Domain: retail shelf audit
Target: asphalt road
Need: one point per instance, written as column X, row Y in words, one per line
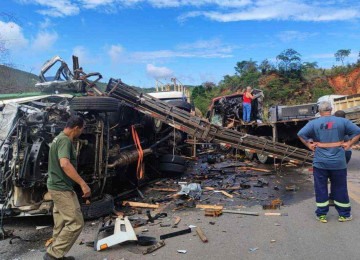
column 297, row 236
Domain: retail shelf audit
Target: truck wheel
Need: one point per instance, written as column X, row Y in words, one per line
column 169, row 158
column 99, row 104
column 98, row 208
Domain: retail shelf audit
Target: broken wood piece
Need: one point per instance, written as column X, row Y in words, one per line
column 209, row 188
column 275, row 214
column 241, row 212
column 152, row 248
column 203, row 206
column 201, row 234
column 176, row 222
column 227, row 194
column 213, row 212
column 253, row 169
column 140, row 205
column 164, row 189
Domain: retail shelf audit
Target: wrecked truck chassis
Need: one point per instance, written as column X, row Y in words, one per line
column 105, row 151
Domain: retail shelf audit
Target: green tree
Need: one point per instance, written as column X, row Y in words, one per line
column 340, row 55
column 246, row 66
column 265, row 67
column 289, row 62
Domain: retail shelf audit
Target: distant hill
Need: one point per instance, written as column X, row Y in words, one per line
column 16, row 81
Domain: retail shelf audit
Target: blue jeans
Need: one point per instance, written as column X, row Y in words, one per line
column 246, row 112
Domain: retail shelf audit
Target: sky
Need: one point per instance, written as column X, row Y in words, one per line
column 141, row 41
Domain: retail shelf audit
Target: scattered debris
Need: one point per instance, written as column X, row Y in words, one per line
column 292, row 188
column 182, row 251
column 201, row 234
column 253, row 249
column 200, row 206
column 155, row 247
column 276, row 214
column 164, row 189
column 225, row 193
column 192, row 190
column 41, row 227
column 241, row 212
column 275, row 204
column 157, row 216
column 272, row 241
column 177, row 233
column 122, row 231
column 176, row 221
column 140, row 204
column 213, row 212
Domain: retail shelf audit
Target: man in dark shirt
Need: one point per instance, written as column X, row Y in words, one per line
column 68, row 219
column 325, row 136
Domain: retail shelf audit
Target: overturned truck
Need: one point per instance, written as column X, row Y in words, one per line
column 112, row 151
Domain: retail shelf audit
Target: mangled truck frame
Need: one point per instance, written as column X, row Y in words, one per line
column 115, row 141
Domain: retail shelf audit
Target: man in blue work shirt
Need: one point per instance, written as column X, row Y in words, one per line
column 325, row 136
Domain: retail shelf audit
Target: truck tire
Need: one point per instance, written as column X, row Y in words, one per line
column 98, row 208
column 169, row 158
column 98, row 104
column 172, row 168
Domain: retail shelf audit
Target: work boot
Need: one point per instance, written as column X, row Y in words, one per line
column 322, row 218
column 47, row 256
column 344, row 219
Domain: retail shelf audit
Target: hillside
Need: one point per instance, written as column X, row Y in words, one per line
column 16, row 81
column 346, row 83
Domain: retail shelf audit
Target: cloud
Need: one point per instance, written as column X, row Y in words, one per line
column 115, row 53
column 44, row 41
column 294, row 10
column 198, row 49
column 216, row 10
column 55, row 8
column 12, row 36
column 158, row 72
column 46, row 24
column 289, row 36
column 83, row 54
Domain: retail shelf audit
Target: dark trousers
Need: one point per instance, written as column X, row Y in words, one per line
column 339, row 191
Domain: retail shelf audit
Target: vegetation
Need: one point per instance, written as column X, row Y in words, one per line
column 289, row 81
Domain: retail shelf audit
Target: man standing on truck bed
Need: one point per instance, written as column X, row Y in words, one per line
column 68, row 219
column 325, row 136
column 247, row 98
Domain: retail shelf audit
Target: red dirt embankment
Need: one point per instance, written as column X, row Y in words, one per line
column 347, row 84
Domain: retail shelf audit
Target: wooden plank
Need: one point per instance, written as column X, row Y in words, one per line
column 140, row 205
column 227, row 194
column 241, row 212
column 164, row 189
column 253, row 169
column 201, row 234
column 202, row 206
